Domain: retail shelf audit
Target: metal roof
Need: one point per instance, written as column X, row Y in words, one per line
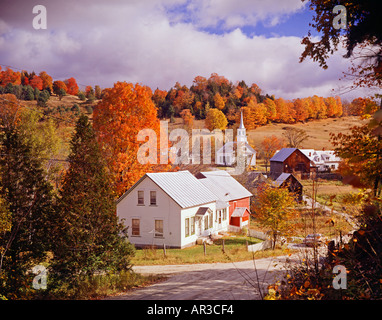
column 239, row 212
column 282, row 177
column 183, row 187
column 223, row 185
column 283, row 154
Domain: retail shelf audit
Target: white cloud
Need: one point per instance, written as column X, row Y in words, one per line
column 237, row 13
column 136, row 41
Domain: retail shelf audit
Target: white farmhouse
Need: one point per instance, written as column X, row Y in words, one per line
column 171, row 208
column 324, row 160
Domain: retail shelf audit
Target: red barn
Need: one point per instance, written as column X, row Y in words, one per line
column 228, row 189
column 290, row 160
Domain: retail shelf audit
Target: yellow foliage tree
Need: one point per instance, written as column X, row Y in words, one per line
column 216, row 119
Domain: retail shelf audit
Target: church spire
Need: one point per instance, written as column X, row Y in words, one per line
column 241, row 121
column 241, row 132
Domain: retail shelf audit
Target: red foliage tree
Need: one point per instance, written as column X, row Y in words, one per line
column 72, row 87
column 36, row 82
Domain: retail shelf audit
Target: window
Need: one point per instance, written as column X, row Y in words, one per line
column 220, row 216
column 225, row 214
column 211, row 218
column 159, row 228
column 187, row 226
column 141, row 198
column 135, row 223
column 192, row 225
column 153, row 198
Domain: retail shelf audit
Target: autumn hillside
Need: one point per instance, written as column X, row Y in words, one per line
column 213, row 103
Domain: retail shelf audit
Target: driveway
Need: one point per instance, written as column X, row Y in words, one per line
column 212, row 281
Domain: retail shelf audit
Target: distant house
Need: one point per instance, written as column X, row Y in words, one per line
column 290, row 181
column 290, row 160
column 227, row 155
column 176, row 208
column 324, row 160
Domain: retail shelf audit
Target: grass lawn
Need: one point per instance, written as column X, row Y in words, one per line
column 235, row 250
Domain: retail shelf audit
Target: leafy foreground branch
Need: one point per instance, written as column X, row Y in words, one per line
column 361, row 258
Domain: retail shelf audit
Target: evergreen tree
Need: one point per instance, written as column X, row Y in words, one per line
column 89, row 236
column 29, row 200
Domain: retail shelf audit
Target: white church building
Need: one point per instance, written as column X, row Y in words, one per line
column 227, row 155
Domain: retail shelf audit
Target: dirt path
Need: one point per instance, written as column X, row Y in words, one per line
column 212, row 281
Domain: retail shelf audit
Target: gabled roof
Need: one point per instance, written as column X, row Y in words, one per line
column 183, row 187
column 239, row 212
column 283, row 177
column 308, row 152
column 223, row 185
column 202, row 211
column 283, row 154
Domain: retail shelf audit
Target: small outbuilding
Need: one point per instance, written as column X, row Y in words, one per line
column 290, row 181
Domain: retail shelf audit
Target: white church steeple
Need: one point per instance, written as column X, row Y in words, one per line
column 241, row 132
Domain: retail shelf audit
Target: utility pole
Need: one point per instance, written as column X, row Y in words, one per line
column 315, row 244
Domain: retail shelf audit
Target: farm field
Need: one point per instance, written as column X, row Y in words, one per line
column 318, row 131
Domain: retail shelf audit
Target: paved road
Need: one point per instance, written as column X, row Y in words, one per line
column 213, row 281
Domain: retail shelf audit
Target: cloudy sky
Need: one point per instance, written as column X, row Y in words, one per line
column 160, row 42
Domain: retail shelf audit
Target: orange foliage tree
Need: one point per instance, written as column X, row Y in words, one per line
column 10, row 76
column 188, row 118
column 283, row 111
column 47, row 81
column 363, row 107
column 36, row 82
column 123, row 111
column 301, row 112
column 72, row 87
column 219, row 101
column 10, row 113
column 333, row 109
column 254, row 114
column 57, row 85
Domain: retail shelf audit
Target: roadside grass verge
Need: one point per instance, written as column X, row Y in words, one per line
column 99, row 286
column 234, row 247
